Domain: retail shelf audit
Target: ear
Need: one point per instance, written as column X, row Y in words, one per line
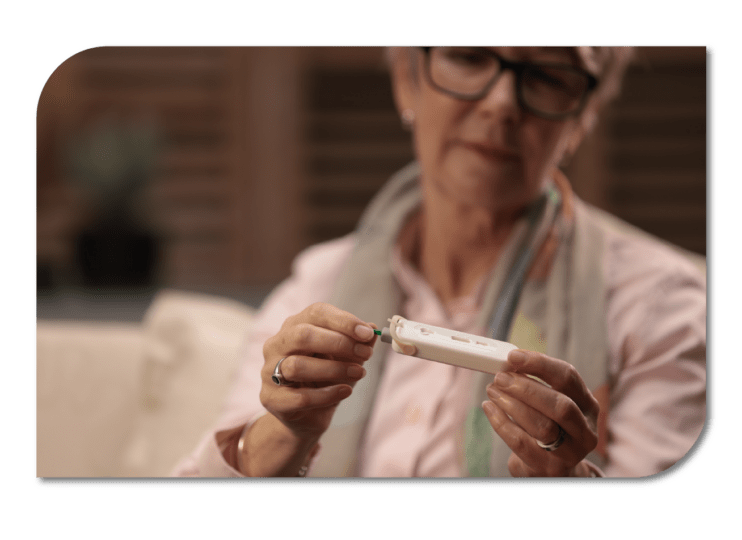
column 575, row 139
column 569, row 143
column 404, row 79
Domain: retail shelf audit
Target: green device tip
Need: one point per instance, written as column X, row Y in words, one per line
column 377, row 332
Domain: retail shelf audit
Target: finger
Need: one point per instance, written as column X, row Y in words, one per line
column 287, row 400
column 560, row 375
column 373, row 340
column 334, row 318
column 518, row 469
column 306, row 369
column 522, row 444
column 536, row 424
column 517, row 440
column 549, row 402
column 309, row 340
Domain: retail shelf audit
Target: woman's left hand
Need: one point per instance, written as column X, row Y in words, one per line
column 524, row 411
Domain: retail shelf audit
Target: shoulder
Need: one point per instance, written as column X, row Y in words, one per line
column 322, row 263
column 632, row 256
column 635, row 260
column 655, row 292
column 653, row 289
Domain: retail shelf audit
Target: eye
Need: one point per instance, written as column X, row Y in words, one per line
column 543, row 77
column 555, row 79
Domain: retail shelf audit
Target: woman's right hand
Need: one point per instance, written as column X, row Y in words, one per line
column 324, row 349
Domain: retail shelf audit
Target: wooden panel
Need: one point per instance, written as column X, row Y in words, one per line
column 656, row 146
column 353, row 140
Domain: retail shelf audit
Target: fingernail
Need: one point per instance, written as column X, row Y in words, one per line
column 364, row 332
column 344, row 392
column 517, row 357
column 356, row 372
column 488, row 407
column 364, row 351
column 503, row 379
column 494, row 394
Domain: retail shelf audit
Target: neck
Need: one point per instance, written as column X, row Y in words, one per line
column 457, row 245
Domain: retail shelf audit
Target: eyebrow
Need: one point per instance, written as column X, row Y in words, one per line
column 575, row 58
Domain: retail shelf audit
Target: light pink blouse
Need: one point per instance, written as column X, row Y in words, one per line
column 656, row 315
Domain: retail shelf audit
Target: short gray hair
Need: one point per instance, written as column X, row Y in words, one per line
column 610, row 65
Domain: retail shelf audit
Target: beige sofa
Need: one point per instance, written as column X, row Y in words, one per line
column 130, row 400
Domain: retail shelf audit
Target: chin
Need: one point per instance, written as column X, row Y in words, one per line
column 491, row 189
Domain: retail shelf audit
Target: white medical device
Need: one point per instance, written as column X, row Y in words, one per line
column 447, row 346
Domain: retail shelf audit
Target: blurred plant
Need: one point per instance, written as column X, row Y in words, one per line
column 112, row 162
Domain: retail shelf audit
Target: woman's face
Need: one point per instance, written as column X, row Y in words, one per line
column 487, row 153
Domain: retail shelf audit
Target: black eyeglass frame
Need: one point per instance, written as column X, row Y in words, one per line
column 518, row 68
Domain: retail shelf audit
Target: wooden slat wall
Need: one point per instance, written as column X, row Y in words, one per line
column 354, row 142
column 656, row 151
column 189, row 91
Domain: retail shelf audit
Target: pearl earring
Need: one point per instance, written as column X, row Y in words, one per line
column 408, row 118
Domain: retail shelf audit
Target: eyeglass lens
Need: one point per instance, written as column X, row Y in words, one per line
column 469, row 71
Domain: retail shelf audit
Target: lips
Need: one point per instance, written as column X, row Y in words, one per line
column 491, row 152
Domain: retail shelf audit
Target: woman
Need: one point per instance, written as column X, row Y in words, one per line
column 482, row 235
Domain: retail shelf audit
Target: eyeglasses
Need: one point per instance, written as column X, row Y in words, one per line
column 549, row 90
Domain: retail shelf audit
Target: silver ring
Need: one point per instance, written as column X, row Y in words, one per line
column 556, row 444
column 277, row 376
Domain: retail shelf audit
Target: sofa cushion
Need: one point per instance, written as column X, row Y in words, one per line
column 88, row 380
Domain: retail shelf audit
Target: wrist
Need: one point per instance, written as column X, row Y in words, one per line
column 290, row 441
column 267, row 448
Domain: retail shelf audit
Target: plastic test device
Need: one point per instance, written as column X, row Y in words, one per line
column 446, row 346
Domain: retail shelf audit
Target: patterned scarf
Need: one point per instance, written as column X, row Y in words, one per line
column 546, row 284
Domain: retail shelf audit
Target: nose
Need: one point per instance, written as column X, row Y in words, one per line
column 502, row 98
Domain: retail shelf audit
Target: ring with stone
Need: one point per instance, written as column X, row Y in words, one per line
column 278, row 377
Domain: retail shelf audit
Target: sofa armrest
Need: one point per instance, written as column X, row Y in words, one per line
column 191, row 349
